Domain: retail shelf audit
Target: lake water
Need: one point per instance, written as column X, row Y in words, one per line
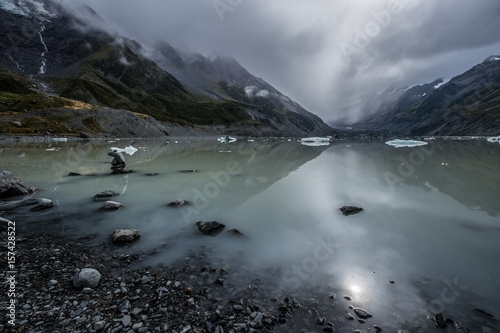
column 430, row 222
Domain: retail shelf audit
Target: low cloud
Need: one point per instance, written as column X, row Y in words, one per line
column 323, row 54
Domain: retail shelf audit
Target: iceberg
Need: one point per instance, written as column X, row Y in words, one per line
column 494, row 139
column 316, row 141
column 226, row 139
column 398, row 143
column 127, row 150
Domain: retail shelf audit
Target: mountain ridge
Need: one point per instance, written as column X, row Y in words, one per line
column 467, row 104
column 109, row 71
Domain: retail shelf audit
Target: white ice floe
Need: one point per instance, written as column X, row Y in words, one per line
column 494, row 139
column 316, row 141
column 226, row 139
column 398, row 143
column 127, row 150
column 61, row 139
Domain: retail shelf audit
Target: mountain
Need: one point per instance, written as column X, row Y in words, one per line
column 468, row 104
column 51, row 55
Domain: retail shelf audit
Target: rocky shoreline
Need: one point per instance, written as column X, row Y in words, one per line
column 191, row 295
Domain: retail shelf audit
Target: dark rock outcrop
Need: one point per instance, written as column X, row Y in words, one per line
column 121, row 236
column 11, row 186
column 350, row 210
column 105, row 195
column 211, row 228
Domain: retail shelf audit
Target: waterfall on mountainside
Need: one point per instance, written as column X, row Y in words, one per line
column 42, row 67
column 14, row 61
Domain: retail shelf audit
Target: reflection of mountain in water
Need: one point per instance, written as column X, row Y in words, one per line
column 465, row 170
column 226, row 175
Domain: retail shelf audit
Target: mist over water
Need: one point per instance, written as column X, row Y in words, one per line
column 430, row 221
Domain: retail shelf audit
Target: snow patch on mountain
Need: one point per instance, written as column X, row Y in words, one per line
column 441, row 83
column 26, row 8
column 253, row 91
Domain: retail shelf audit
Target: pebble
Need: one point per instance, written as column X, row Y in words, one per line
column 180, row 297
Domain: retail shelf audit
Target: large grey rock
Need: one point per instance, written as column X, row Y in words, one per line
column 35, row 203
column 350, row 210
column 210, row 228
column 111, row 205
column 105, row 195
column 86, row 278
column 12, row 186
column 42, row 203
column 125, row 235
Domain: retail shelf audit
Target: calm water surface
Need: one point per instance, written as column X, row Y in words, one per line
column 430, row 221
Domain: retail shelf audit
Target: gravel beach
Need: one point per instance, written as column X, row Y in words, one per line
column 198, row 293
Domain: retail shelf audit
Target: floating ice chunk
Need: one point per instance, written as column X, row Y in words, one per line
column 61, row 139
column 316, row 141
column 398, row 143
column 494, row 139
column 226, row 139
column 127, row 150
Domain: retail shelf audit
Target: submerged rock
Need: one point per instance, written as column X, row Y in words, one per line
column 121, row 171
column 350, row 210
column 125, row 235
column 36, row 203
column 105, row 195
column 42, row 203
column 236, row 232
column 178, row 203
column 188, row 171
column 211, row 228
column 11, row 186
column 86, row 278
column 486, row 313
column 362, row 313
column 111, row 205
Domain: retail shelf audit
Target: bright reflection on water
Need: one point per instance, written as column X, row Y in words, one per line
column 430, row 222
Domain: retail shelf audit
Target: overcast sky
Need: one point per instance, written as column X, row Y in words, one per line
column 321, row 53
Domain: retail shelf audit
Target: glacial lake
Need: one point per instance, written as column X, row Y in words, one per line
column 427, row 240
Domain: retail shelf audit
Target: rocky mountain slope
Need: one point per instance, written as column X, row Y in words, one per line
column 468, row 104
column 53, row 54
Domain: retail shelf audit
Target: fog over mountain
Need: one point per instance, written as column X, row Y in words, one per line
column 324, row 54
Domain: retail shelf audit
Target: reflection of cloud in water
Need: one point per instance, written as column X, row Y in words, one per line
column 285, row 197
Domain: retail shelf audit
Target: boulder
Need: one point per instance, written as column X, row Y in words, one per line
column 12, row 186
column 105, row 195
column 350, row 210
column 440, row 321
column 362, row 313
column 111, row 205
column 36, row 203
column 211, row 228
column 42, row 203
column 120, row 236
column 86, row 278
